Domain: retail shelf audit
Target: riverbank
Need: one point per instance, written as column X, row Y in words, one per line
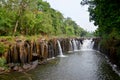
column 22, row 54
column 110, row 47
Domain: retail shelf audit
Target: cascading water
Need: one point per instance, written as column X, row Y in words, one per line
column 87, row 44
column 71, row 48
column 74, row 44
column 60, row 49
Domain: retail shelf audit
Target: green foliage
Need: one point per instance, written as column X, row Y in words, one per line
column 106, row 15
column 6, row 21
column 2, row 48
column 2, row 61
column 34, row 17
column 114, row 34
column 96, row 33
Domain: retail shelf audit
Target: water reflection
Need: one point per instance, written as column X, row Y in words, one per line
column 81, row 65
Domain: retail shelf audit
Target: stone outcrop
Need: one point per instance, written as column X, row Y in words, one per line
column 110, row 47
column 24, row 52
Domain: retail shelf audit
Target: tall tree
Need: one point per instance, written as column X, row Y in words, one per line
column 105, row 14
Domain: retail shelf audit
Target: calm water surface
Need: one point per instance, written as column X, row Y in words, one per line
column 79, row 65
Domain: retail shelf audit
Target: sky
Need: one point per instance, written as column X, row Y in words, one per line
column 73, row 9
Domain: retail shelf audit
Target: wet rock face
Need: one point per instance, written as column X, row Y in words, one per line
column 110, row 47
column 22, row 55
column 65, row 45
column 51, row 48
column 96, row 43
column 27, row 51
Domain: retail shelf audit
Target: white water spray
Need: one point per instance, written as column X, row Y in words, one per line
column 74, row 44
column 71, row 48
column 87, row 44
column 60, row 49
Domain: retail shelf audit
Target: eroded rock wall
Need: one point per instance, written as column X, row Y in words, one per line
column 27, row 51
column 110, row 47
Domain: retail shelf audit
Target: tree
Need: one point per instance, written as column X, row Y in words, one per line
column 105, row 14
column 33, row 17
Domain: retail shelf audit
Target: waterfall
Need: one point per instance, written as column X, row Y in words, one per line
column 87, row 44
column 74, row 44
column 60, row 49
column 71, row 48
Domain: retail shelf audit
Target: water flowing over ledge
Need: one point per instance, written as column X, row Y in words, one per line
column 21, row 55
column 82, row 64
column 60, row 50
column 26, row 55
column 87, row 45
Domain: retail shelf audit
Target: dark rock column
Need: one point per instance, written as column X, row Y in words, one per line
column 50, row 49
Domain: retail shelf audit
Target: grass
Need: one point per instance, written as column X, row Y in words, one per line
column 35, row 37
column 3, row 48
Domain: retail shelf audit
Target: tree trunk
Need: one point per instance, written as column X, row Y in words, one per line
column 15, row 29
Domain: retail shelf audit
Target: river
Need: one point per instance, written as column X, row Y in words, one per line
column 85, row 64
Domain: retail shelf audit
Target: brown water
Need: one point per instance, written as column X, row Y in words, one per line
column 79, row 65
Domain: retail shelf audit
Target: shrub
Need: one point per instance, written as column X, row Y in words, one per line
column 2, row 48
column 2, row 62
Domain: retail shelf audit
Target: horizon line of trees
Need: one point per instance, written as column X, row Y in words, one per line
column 34, row 17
